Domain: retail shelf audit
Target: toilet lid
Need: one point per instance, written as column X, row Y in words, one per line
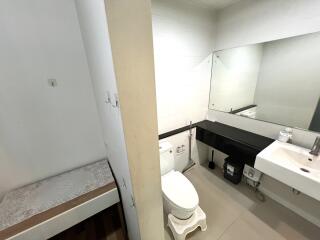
column 179, row 190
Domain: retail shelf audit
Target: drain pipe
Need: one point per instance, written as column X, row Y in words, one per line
column 191, row 163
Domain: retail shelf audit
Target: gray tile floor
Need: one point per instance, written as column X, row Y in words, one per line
column 234, row 212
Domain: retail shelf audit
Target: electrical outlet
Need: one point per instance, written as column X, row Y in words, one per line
column 180, row 149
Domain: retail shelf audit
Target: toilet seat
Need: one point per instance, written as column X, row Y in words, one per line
column 179, row 191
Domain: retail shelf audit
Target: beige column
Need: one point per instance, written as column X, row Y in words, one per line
column 130, row 29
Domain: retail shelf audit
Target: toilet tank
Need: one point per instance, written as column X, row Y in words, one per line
column 166, row 157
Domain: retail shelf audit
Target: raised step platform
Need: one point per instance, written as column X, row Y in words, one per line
column 180, row 228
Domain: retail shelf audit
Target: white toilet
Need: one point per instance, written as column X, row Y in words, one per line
column 180, row 197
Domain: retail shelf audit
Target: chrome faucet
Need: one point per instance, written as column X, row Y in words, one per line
column 316, row 147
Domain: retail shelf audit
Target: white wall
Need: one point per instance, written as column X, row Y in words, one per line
column 199, row 153
column 288, row 87
column 93, row 22
column 259, row 21
column 251, row 21
column 44, row 130
column 235, row 74
column 183, row 42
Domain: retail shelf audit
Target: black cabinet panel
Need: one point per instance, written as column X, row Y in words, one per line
column 234, row 142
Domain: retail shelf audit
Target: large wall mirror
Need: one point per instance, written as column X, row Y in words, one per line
column 277, row 81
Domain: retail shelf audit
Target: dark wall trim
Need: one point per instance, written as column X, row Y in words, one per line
column 176, row 131
column 243, row 108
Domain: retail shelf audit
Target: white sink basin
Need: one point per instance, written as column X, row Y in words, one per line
column 291, row 165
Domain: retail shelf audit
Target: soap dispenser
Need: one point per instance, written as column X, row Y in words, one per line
column 285, row 135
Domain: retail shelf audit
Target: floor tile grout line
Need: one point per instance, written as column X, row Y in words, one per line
column 244, row 207
column 229, row 226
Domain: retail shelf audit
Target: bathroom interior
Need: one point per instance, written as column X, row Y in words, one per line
column 160, row 119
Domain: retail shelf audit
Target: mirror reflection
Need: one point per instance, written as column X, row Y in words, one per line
column 277, row 81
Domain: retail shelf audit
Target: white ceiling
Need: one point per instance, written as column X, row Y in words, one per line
column 213, row 4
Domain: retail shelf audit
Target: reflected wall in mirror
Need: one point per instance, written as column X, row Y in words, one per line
column 277, row 81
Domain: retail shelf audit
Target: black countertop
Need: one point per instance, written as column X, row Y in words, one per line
column 233, row 141
column 238, row 135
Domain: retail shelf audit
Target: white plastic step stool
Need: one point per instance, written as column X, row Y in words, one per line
column 180, row 228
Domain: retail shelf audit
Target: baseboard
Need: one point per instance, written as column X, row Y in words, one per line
column 291, row 206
